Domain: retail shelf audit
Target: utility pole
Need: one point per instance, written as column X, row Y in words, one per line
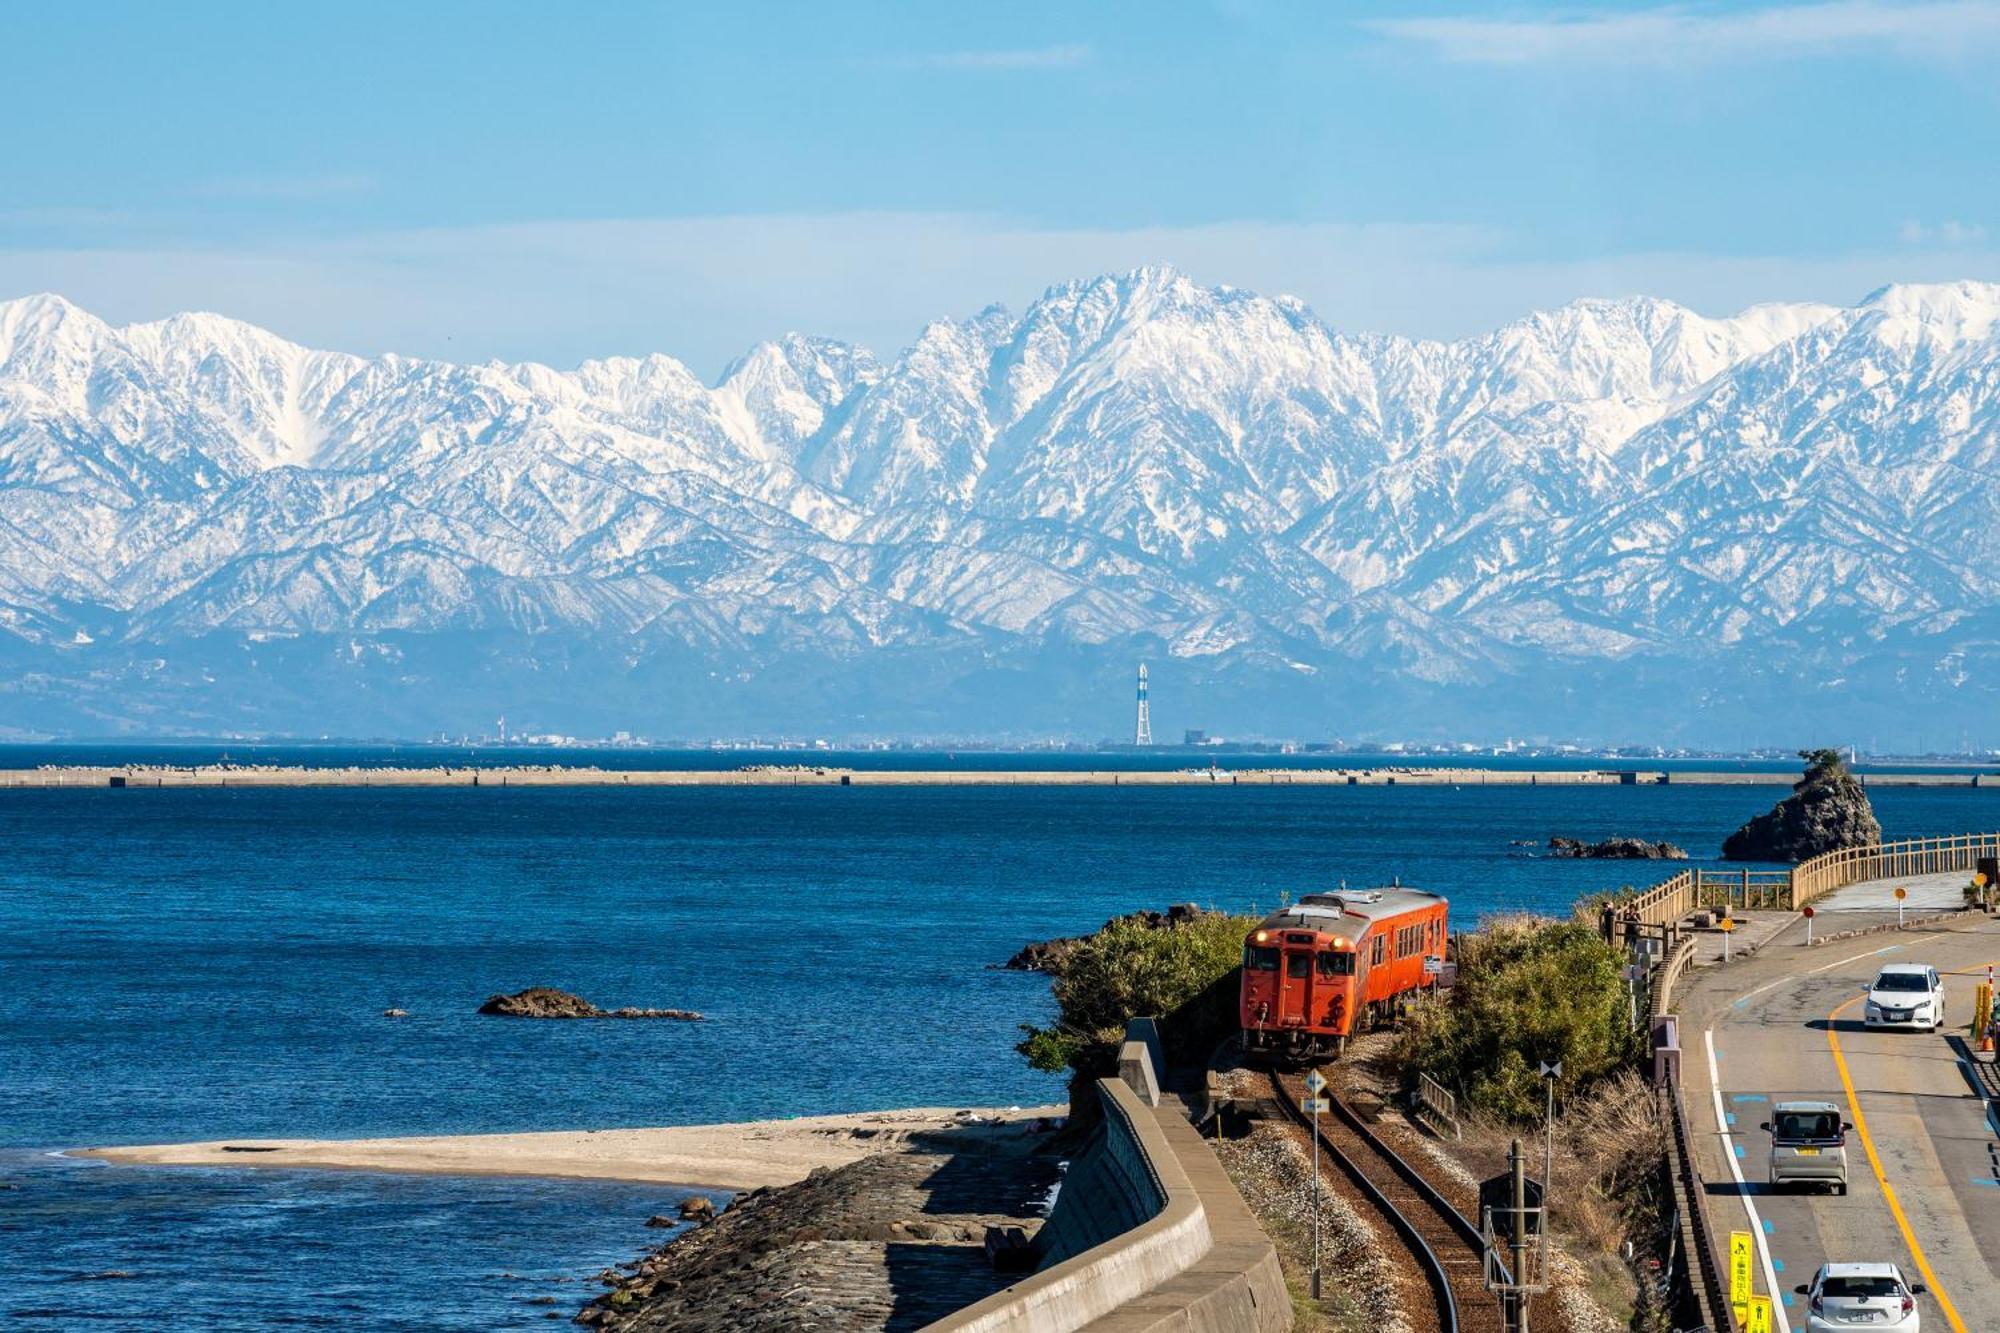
column 1518, row 1168
column 1315, row 1103
column 1512, row 1209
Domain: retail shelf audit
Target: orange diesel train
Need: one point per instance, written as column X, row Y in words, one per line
column 1335, row 963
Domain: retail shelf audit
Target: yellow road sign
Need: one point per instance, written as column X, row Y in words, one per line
column 1740, row 1259
column 1760, row 1315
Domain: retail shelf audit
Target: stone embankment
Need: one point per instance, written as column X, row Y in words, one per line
column 894, row 1240
column 1147, row 1235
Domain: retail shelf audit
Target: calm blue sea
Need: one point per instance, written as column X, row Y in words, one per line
column 205, row 964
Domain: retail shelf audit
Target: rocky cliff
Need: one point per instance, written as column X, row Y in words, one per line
column 1827, row 809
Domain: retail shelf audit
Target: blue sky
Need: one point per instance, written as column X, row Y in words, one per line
column 560, row 181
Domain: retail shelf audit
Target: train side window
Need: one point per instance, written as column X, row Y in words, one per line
column 1379, row 949
column 1336, row 964
column 1257, row 959
column 1298, row 965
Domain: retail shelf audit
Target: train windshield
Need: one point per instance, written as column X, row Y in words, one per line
column 1256, row 958
column 1336, row 964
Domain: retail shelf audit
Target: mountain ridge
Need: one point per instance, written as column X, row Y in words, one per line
column 1136, row 465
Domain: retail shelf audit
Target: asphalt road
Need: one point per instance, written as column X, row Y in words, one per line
column 1924, row 1162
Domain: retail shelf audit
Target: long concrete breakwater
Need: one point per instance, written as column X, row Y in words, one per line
column 803, row 775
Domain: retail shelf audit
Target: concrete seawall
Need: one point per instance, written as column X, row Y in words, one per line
column 1148, row 1235
column 805, row 776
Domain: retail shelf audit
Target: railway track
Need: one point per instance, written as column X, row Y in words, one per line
column 1444, row 1247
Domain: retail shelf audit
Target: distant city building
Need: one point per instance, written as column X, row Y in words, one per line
column 1143, row 733
column 1194, row 736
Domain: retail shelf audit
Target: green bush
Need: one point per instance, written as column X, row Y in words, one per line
column 1129, row 970
column 1529, row 990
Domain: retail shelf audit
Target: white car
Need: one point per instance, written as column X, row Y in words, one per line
column 1846, row 1297
column 1905, row 995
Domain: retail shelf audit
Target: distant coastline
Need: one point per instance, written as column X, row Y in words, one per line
column 143, row 776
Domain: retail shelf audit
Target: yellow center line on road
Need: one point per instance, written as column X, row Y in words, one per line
column 1875, row 1161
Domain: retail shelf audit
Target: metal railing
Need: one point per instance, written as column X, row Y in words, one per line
column 1706, row 1277
column 1660, row 997
column 1750, row 890
column 1822, row 874
column 1436, row 1107
column 1669, row 901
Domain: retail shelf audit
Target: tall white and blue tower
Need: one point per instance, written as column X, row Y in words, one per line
column 1143, row 733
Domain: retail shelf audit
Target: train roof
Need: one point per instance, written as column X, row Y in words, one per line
column 1319, row 911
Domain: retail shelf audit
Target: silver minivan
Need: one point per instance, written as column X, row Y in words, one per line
column 1808, row 1145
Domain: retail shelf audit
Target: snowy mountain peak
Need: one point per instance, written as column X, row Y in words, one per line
column 1939, row 314
column 1135, row 464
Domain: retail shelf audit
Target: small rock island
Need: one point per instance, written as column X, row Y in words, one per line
column 548, row 1002
column 1616, row 849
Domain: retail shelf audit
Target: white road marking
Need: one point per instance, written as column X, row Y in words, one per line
column 1742, row 1188
column 1855, row 959
column 1748, row 996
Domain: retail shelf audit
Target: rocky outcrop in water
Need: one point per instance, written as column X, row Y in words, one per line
column 548, row 1002
column 1050, row 955
column 894, row 1240
column 1828, row 809
column 1616, row 849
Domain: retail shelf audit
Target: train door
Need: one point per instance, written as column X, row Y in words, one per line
column 1296, row 981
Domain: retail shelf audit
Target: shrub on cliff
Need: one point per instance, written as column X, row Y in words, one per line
column 1130, row 969
column 1529, row 990
column 1828, row 809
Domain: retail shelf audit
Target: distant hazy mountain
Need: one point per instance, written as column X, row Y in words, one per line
column 1618, row 520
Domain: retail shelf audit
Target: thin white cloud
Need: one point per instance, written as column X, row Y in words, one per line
column 1950, row 232
column 1032, row 58
column 1927, row 30
column 705, row 289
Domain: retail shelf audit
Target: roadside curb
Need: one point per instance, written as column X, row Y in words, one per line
column 1986, row 1071
column 1953, row 915
column 1745, row 952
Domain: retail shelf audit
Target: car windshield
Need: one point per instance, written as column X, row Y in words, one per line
column 1858, row 1287
column 1914, row 981
column 1805, row 1125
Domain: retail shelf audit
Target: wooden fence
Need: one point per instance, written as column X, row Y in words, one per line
column 1667, row 903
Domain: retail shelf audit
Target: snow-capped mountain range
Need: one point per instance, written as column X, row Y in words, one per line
column 1617, row 519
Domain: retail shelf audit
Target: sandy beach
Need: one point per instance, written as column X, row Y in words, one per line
column 732, row 1157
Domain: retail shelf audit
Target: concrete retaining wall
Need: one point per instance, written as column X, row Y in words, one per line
column 1148, row 1235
